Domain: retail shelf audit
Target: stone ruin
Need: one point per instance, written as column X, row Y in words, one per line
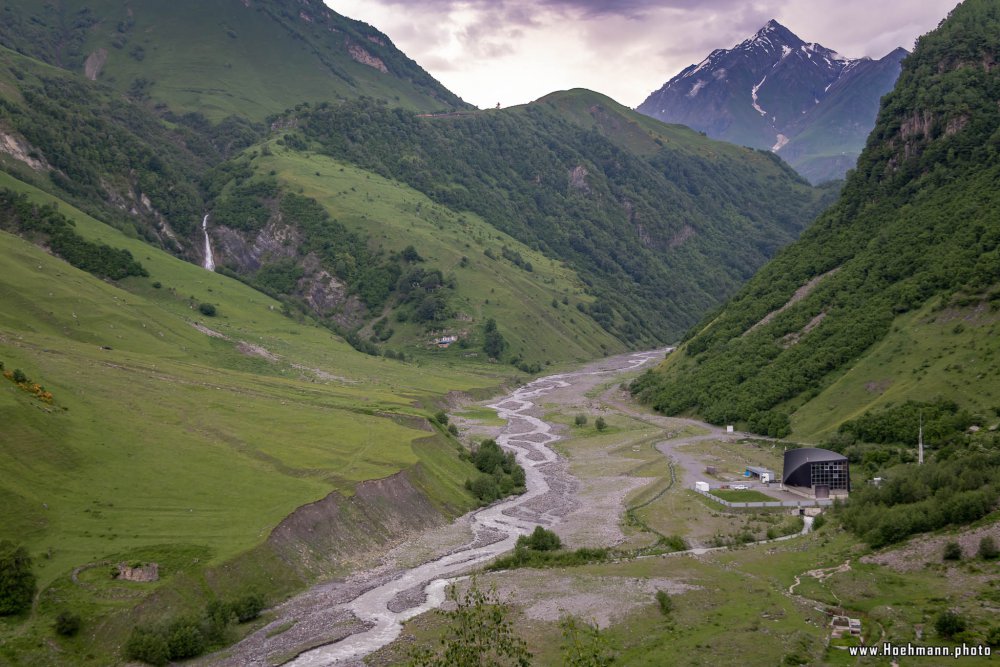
column 141, row 572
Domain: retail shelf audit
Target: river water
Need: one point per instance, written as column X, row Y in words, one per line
column 528, row 437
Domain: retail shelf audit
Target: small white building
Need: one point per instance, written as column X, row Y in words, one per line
column 702, row 486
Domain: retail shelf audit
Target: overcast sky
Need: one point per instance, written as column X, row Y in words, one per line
column 515, row 51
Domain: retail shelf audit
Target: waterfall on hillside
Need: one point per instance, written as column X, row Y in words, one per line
column 209, row 258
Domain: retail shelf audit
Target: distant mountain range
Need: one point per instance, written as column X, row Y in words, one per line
column 774, row 91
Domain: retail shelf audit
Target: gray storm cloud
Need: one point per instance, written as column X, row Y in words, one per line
column 515, row 51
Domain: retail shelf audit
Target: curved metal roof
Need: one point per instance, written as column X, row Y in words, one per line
column 796, row 458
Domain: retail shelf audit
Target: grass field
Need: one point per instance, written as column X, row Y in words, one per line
column 485, row 416
column 172, row 443
column 742, row 495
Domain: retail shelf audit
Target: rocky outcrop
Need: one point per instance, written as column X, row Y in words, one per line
column 686, row 232
column 19, row 149
column 359, row 54
column 95, row 63
column 578, row 179
column 328, row 295
column 246, row 252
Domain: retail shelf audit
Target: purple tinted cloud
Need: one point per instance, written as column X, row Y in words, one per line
column 517, row 50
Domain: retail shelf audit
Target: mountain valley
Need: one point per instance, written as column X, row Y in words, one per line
column 297, row 347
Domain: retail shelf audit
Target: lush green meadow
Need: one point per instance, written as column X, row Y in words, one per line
column 185, row 439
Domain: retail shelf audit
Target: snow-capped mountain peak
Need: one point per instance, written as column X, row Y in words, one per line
column 768, row 85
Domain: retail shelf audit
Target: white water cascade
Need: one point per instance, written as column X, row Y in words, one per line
column 209, row 257
column 524, row 434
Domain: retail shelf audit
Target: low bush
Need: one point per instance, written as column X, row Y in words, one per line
column 187, row 637
column 539, row 540
column 664, row 602
column 948, row 623
column 988, row 548
column 531, row 558
column 67, row 624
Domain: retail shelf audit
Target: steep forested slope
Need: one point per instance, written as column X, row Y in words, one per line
column 913, row 244
column 105, row 153
column 660, row 222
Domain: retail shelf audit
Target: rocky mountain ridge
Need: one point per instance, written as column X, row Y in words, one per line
column 775, row 91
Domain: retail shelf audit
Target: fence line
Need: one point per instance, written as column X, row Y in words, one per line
column 818, row 502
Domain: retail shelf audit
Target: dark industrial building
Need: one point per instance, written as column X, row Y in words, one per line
column 816, row 473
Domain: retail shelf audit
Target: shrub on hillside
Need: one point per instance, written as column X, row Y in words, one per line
column 493, row 341
column 949, row 623
column 206, row 309
column 147, row 645
column 924, row 498
column 952, row 551
column 67, row 623
column 248, row 607
column 17, row 582
column 988, row 548
column 664, row 602
column 185, row 639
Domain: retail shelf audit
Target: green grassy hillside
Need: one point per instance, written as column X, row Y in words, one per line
column 222, row 58
column 536, row 311
column 937, row 351
column 172, row 436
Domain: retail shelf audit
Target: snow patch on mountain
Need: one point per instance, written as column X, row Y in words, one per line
column 753, row 96
column 696, row 87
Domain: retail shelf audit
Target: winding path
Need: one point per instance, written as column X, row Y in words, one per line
column 524, row 434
